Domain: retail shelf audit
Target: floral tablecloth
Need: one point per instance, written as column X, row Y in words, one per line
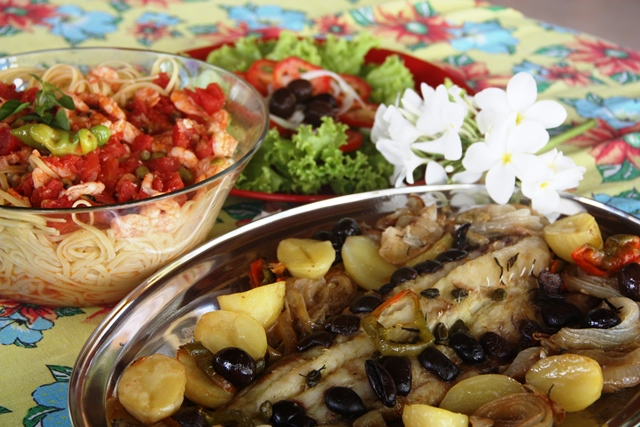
column 482, row 43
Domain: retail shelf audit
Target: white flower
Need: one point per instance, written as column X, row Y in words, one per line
column 558, row 173
column 507, row 152
column 393, row 136
column 517, row 105
column 441, row 119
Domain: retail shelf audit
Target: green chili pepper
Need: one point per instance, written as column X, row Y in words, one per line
column 60, row 142
column 380, row 334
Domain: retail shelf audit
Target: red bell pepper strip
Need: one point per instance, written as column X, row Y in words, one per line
column 618, row 251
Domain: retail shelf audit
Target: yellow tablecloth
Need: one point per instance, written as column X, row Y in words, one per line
column 481, row 43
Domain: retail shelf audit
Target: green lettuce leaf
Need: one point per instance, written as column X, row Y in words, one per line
column 312, row 161
column 343, row 55
column 289, row 44
column 388, row 80
column 239, row 57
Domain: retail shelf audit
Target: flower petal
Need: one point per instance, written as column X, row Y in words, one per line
column 500, row 182
column 466, row 177
column 522, row 91
column 547, row 112
column 435, row 174
column 528, row 137
column 479, row 158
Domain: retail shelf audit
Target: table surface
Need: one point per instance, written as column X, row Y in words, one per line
column 482, row 43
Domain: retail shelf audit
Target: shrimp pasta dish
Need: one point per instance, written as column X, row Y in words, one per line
column 107, row 172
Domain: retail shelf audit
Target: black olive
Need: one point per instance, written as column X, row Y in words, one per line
column 601, row 318
column 496, row 346
column 452, row 254
column 315, row 111
column 344, row 401
column 346, row 227
column 282, row 103
column 386, row 288
column 191, row 416
column 285, row 412
column 527, row 328
column 559, row 314
column 381, row 382
column 325, row 97
column 460, row 237
column 344, row 324
column 467, row 348
column 435, row 361
column 323, row 338
column 428, row 267
column 402, row 275
column 400, row 369
column 336, row 242
column 365, row 303
column 302, row 421
column 629, row 281
column 301, row 88
column 235, row 365
column 550, row 284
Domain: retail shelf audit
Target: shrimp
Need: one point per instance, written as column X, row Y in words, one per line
column 15, row 158
column 127, row 129
column 163, row 215
column 184, row 156
column 44, row 170
column 105, row 74
column 186, row 104
column 148, row 96
column 75, row 192
column 209, row 166
column 218, row 122
column 224, row 144
column 105, row 103
column 146, row 185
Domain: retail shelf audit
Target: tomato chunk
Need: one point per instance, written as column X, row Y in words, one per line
column 359, row 117
column 260, row 75
column 354, row 141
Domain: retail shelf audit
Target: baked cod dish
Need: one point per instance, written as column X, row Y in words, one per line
column 428, row 315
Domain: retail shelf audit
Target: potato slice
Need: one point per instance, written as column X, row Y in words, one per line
column 571, row 380
column 471, row 393
column 364, row 264
column 152, row 387
column 569, row 233
column 306, row 258
column 264, row 303
column 221, row 328
column 199, row 388
column 420, row 415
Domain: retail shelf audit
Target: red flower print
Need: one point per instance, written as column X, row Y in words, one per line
column 615, row 153
column 476, row 75
column 607, row 57
column 22, row 14
column 569, row 75
column 29, row 311
column 228, row 35
column 333, row 24
column 602, row 133
column 411, row 27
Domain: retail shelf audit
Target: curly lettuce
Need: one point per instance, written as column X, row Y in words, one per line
column 388, row 80
column 311, row 161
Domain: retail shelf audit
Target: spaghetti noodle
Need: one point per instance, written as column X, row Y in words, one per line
column 93, row 236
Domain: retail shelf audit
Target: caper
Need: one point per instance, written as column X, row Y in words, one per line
column 185, row 174
column 430, row 293
column 142, row 171
column 500, row 294
column 145, row 155
column 459, row 294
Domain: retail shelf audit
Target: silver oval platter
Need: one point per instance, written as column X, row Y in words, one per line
column 160, row 314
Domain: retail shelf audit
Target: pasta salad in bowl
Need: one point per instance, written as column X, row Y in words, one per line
column 112, row 163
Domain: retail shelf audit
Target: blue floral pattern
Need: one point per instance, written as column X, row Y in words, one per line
column 76, row 25
column 17, row 330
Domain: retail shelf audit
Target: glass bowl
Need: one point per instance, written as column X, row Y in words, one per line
column 95, row 255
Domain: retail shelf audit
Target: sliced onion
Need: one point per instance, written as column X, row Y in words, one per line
column 524, row 361
column 293, row 122
column 518, row 410
column 350, row 95
column 628, row 331
column 576, row 280
column 620, row 369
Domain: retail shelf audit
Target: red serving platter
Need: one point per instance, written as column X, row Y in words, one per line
column 423, row 72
